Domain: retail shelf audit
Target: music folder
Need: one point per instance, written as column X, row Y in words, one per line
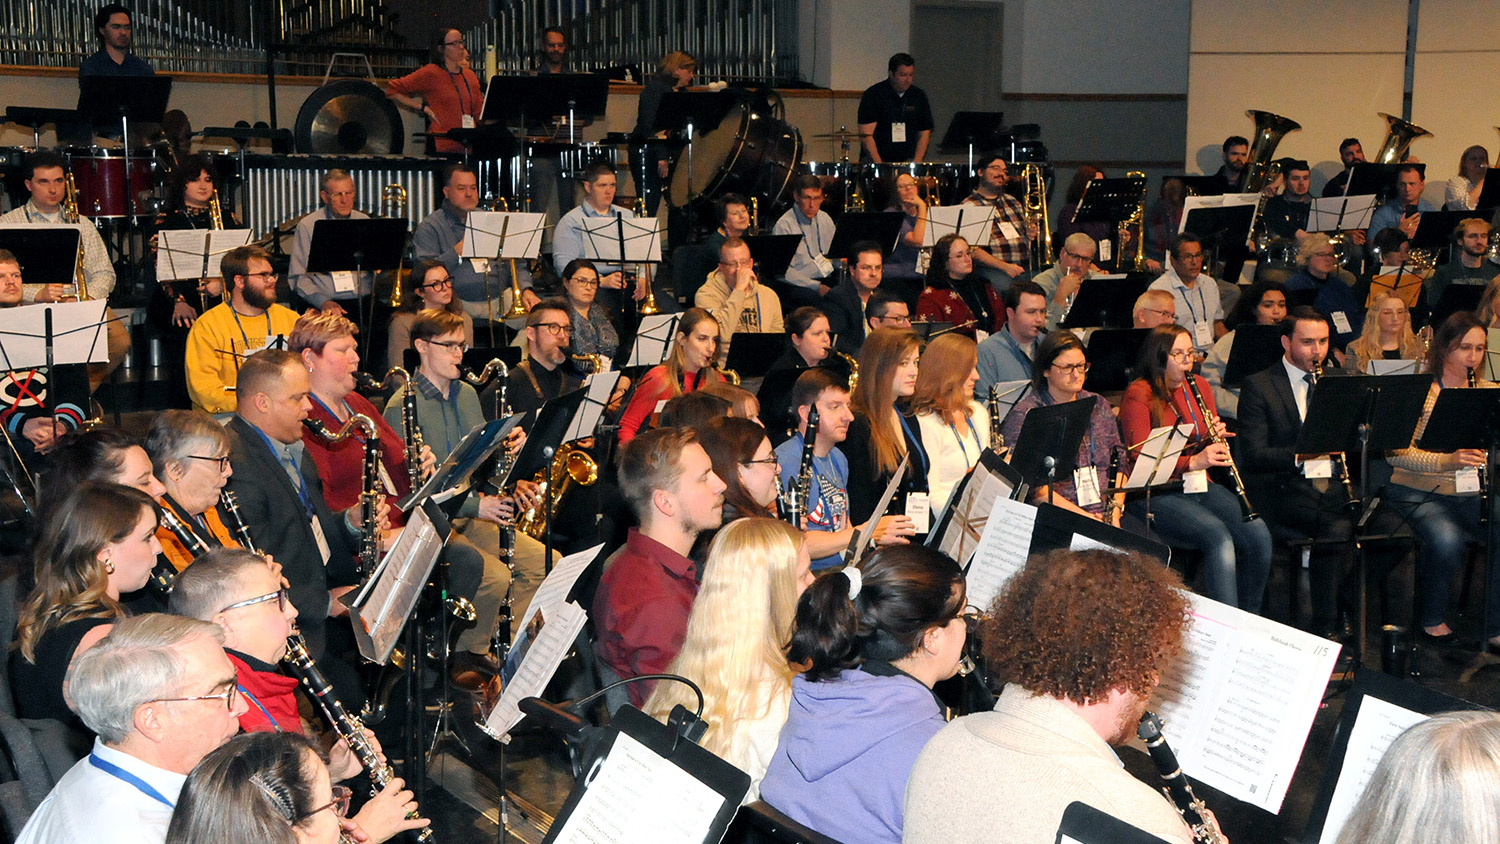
column 772, row 253
column 381, row 607
column 375, row 243
column 453, row 475
column 974, row 130
column 48, row 254
column 1049, row 441
column 1107, row 300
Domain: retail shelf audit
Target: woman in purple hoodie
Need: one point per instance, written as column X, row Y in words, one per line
column 877, row 638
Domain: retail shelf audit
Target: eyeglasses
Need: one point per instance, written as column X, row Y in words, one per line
column 339, row 804
column 230, row 692
column 267, row 276
column 1070, row 368
column 451, row 345
column 773, row 460
column 584, row 281
column 1181, row 357
column 458, row 43
column 280, row 596
column 556, row 329
column 1172, row 315
column 1075, row 256
column 904, row 320
column 222, row 461
column 437, row 285
column 1191, row 256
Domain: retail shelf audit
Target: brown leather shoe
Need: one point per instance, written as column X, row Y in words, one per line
column 470, row 671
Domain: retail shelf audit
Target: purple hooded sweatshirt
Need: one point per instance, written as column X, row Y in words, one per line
column 846, row 751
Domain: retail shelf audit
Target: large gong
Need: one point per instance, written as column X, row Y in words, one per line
column 349, row 117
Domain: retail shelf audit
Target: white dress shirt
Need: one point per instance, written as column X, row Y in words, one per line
column 90, row 805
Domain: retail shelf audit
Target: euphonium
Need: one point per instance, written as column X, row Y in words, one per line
column 1216, row 437
column 1269, row 130
column 70, row 215
column 1035, row 202
column 571, row 465
column 215, row 212
column 369, row 496
column 1398, row 137
column 393, row 204
column 853, row 369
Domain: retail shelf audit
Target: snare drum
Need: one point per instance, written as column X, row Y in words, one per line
column 100, row 176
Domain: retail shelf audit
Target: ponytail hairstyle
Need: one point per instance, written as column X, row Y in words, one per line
column 904, row 591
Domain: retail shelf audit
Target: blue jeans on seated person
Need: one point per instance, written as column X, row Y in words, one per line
column 1444, row 526
column 1236, row 553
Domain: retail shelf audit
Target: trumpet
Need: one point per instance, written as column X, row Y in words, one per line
column 1217, row 438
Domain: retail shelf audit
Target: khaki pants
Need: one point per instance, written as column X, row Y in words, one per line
column 117, row 343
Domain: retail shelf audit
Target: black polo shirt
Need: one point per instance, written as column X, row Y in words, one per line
column 882, row 106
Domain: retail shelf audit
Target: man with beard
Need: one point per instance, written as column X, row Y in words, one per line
column 1083, row 638
column 1236, row 154
column 547, row 371
column 1472, row 236
column 246, row 322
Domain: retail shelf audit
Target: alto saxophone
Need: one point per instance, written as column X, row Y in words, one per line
column 301, row 664
column 369, row 496
column 853, row 369
column 571, row 465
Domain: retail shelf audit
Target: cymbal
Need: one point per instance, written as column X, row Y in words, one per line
column 844, row 136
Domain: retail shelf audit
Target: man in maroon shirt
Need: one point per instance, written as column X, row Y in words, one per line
column 641, row 609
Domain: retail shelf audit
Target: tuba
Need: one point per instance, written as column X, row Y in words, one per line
column 1269, row 130
column 393, row 204
column 1040, row 250
column 1398, row 137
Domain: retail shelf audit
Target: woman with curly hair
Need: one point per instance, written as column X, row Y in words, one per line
column 735, row 649
column 876, row 638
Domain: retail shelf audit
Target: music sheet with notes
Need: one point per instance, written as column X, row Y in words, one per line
column 1002, row 550
column 1377, row 725
column 1239, row 701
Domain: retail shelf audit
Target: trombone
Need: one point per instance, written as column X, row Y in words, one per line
column 1039, row 251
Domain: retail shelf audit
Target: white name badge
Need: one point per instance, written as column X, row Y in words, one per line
column 321, row 539
column 1195, row 481
column 1203, row 334
column 1009, row 231
column 1341, row 323
column 825, row 266
column 919, row 511
column 1317, row 467
column 1105, row 250
column 343, row 281
column 898, row 133
column 272, row 341
column 1086, row 485
column 659, row 405
column 480, row 265
column 468, row 121
column 1466, row 480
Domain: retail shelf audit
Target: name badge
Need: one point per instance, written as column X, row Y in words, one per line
column 1105, row 250
column 1086, row 485
column 898, row 133
column 825, row 266
column 321, row 539
column 480, row 265
column 272, row 341
column 1317, row 467
column 1203, row 334
column 1194, row 482
column 1466, row 480
column 343, row 281
column 1341, row 322
column 919, row 510
column 468, row 121
column 1009, row 231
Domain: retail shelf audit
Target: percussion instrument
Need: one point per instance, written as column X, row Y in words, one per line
column 758, row 159
column 101, row 177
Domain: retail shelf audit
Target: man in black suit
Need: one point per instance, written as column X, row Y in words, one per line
column 845, row 303
column 1301, row 492
column 280, row 495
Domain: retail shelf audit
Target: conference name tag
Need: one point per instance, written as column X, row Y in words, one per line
column 1317, row 467
column 1466, row 480
column 1086, row 484
column 898, row 133
column 343, row 281
column 1203, row 334
column 919, row 510
column 1195, row 481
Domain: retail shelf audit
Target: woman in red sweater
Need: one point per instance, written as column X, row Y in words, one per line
column 445, row 91
column 1236, row 553
column 688, row 367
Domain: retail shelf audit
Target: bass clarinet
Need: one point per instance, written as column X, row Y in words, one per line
column 1484, row 482
column 411, row 433
column 369, row 496
column 797, row 499
column 300, row 663
column 1218, row 439
column 1175, row 784
column 1109, row 481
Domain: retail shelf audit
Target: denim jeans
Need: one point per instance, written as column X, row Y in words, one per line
column 1444, row 526
column 1236, row 553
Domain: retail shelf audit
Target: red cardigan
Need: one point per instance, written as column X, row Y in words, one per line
column 1135, row 416
column 651, row 392
column 340, row 467
column 266, row 693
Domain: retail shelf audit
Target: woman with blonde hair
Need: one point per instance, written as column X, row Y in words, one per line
column 1387, row 334
column 884, row 430
column 1461, row 193
column 688, row 367
column 954, row 426
column 1436, row 784
column 735, row 647
column 1320, row 271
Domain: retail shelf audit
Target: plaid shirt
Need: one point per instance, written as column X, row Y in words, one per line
column 1008, row 209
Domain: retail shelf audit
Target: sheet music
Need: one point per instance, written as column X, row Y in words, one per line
column 653, row 339
column 546, row 652
column 601, row 241
column 972, row 513
column 1380, row 366
column 554, row 590
column 636, row 796
column 1002, row 550
column 945, row 219
column 1158, row 456
column 1375, row 727
column 1228, row 200
column 179, row 253
column 1239, row 701
column 482, row 230
column 600, row 385
column 389, row 595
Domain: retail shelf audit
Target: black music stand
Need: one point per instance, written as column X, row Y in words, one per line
column 1225, row 227
column 1255, row 348
column 1047, row 447
column 360, row 246
column 36, row 117
column 553, row 419
column 1107, row 301
column 688, row 114
column 1435, row 230
column 45, row 253
column 1111, row 201
column 542, row 97
column 1342, row 416
column 1199, row 185
column 883, row 227
column 974, row 129
column 1489, row 197
column 1055, row 528
column 1470, row 418
column 1112, row 356
column 751, row 353
column 773, row 253
column 1370, row 177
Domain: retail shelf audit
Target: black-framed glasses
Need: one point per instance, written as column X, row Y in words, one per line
column 585, row 281
column 904, row 319
column 231, row 691
column 1070, row 368
column 458, row 43
column 222, row 461
column 280, row 596
column 268, row 276
column 437, row 285
column 773, row 460
column 1075, row 256
column 451, row 345
column 556, row 329
column 1180, row 356
column 339, row 804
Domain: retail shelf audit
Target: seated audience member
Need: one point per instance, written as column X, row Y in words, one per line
column 757, row 569
column 737, row 299
column 955, row 427
column 247, row 320
column 1435, row 784
column 428, row 288
column 642, row 605
column 1264, row 303
column 1057, row 377
column 876, row 638
column 99, row 544
column 159, row 694
column 1082, row 638
column 689, row 366
column 955, row 293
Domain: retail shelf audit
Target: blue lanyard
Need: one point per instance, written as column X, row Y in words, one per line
column 1187, row 399
column 462, row 107
column 301, row 482
column 1015, row 348
column 258, row 705
column 915, row 443
column 1202, row 303
column 797, row 215
column 961, row 446
column 236, row 315
column 127, row 777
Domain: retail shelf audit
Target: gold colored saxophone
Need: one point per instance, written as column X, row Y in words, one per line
column 70, row 215
column 853, row 369
column 571, row 465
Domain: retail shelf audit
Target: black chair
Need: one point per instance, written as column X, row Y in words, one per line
column 762, row 823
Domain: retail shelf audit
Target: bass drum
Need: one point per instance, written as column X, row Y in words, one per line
column 835, row 183
column 759, row 159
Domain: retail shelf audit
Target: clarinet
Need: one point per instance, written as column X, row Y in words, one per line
column 1340, row 465
column 795, row 502
column 369, row 496
column 300, row 663
column 992, row 404
column 162, row 574
column 1217, row 438
column 231, row 507
column 1175, row 784
column 1484, row 481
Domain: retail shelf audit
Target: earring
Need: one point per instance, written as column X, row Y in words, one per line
column 109, row 568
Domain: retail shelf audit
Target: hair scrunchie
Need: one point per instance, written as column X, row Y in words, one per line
column 856, row 580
